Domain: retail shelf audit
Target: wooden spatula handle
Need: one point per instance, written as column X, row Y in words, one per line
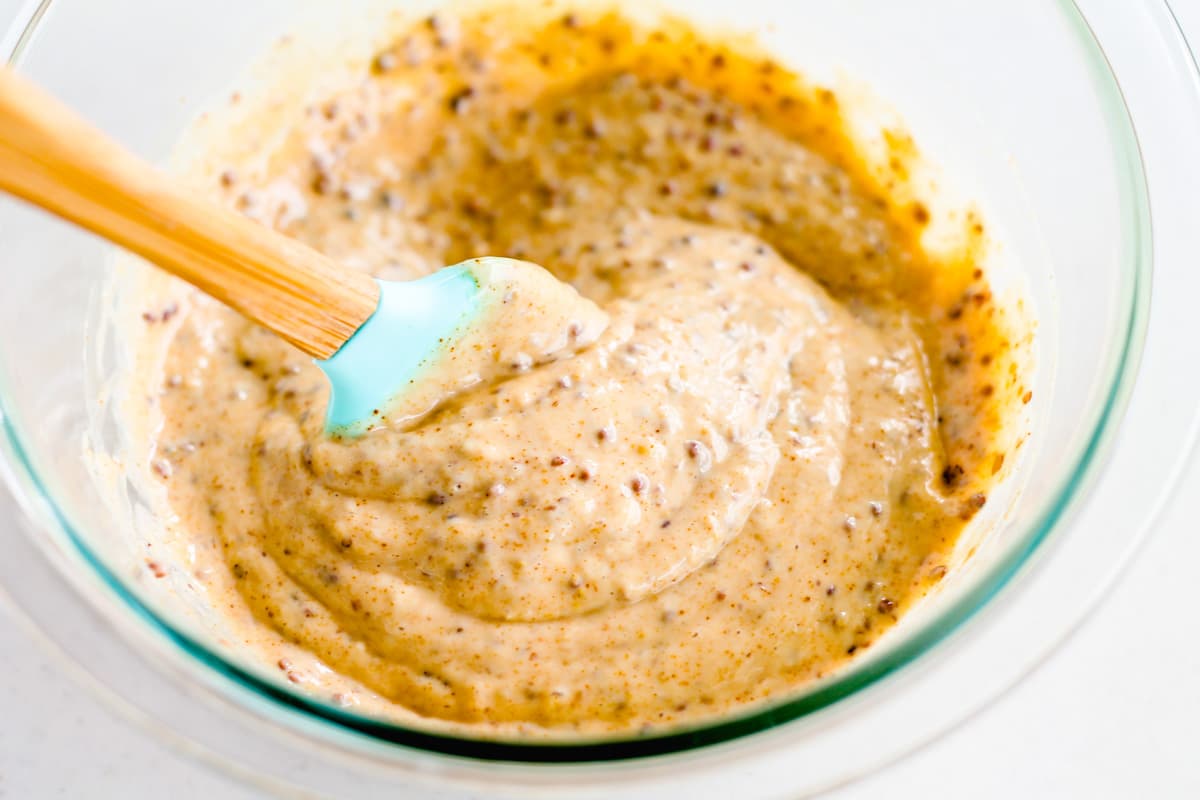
column 53, row 158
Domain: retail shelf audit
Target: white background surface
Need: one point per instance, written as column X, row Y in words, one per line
column 1114, row 713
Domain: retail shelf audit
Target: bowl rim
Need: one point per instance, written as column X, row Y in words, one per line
column 850, row 681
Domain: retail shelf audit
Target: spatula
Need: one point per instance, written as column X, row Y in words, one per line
column 372, row 338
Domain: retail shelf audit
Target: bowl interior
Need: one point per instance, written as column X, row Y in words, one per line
column 1048, row 155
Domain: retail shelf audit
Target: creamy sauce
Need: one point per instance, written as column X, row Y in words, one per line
column 717, row 484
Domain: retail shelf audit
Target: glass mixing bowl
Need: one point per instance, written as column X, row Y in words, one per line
column 1019, row 107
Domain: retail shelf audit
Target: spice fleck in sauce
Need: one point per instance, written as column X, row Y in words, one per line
column 759, row 456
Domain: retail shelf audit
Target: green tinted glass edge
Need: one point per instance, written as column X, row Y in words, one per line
column 1121, row 377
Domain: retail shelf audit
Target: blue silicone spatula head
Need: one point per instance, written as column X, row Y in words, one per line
column 411, row 325
column 445, row 332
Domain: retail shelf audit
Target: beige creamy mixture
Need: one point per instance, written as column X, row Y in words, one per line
column 733, row 472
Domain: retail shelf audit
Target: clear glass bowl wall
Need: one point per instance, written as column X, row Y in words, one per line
column 1042, row 143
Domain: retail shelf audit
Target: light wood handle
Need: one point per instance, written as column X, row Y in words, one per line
column 53, row 158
